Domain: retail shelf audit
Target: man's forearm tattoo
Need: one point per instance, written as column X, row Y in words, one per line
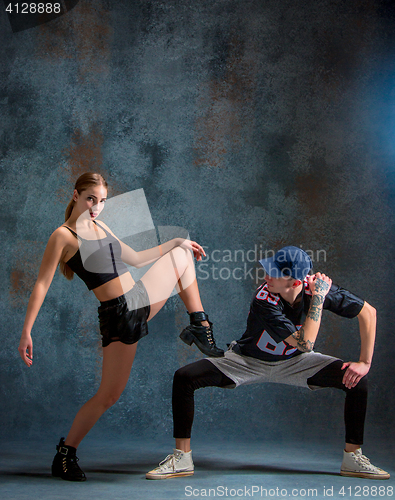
column 303, row 345
column 315, row 309
column 314, row 313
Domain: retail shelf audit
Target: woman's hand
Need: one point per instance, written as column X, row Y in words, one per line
column 197, row 250
column 26, row 349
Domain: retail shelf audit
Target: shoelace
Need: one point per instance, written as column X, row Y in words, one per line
column 172, row 459
column 362, row 457
column 365, row 459
column 69, row 461
column 72, row 464
column 365, row 462
column 210, row 337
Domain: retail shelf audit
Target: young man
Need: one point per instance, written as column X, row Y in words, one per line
column 277, row 346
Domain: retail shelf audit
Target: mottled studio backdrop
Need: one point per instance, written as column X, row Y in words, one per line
column 250, row 123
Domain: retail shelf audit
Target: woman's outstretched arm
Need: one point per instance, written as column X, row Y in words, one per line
column 52, row 255
column 145, row 257
column 141, row 259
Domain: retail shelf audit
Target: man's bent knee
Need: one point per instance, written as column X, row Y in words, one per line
column 362, row 385
column 182, row 376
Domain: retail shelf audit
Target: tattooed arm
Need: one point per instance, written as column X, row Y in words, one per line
column 304, row 338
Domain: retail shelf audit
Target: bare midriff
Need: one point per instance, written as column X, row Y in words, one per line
column 114, row 288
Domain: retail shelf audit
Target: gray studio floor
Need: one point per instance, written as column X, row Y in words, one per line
column 231, row 469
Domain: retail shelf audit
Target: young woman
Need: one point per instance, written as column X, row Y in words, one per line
column 89, row 248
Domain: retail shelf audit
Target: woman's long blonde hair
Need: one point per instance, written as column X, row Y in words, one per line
column 84, row 181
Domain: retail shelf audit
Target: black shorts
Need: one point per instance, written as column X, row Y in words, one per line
column 124, row 318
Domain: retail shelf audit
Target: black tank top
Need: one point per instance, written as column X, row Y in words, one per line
column 97, row 261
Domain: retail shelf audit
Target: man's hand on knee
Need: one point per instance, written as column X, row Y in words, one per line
column 354, row 372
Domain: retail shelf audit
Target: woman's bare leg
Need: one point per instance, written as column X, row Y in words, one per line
column 176, row 270
column 117, row 362
column 173, row 270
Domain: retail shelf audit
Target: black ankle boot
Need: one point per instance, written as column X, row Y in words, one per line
column 65, row 465
column 201, row 336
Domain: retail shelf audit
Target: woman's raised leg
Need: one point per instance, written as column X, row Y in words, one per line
column 176, row 270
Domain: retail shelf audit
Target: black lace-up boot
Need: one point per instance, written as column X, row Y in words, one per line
column 201, row 336
column 65, row 464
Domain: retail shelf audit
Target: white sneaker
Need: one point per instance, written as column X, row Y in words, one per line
column 178, row 464
column 357, row 465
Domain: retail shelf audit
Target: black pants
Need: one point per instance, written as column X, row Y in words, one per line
column 204, row 374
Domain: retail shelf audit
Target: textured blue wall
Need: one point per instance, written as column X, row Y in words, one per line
column 247, row 122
